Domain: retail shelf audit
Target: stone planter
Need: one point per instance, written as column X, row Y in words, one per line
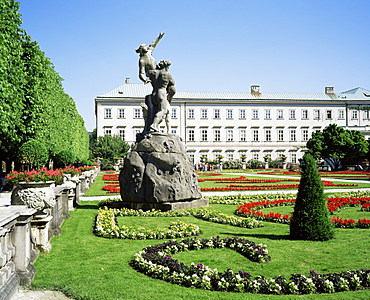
column 37, row 195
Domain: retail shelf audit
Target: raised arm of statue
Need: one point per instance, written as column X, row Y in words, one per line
column 156, row 41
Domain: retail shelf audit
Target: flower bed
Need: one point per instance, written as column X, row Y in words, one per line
column 110, row 177
column 252, row 210
column 106, row 224
column 42, row 174
column 156, row 261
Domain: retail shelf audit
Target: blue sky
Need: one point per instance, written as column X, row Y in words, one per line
column 215, row 46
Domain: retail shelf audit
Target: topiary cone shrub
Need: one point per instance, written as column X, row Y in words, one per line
column 311, row 216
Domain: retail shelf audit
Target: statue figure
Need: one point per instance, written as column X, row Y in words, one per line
column 157, row 104
column 163, row 91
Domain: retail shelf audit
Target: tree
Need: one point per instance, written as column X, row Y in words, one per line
column 337, row 145
column 34, row 154
column 311, row 216
column 110, row 147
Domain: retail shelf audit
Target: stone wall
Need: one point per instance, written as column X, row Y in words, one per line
column 24, row 233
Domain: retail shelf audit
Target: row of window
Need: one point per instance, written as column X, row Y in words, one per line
column 255, row 133
column 280, row 114
column 231, row 155
column 137, row 113
column 328, row 114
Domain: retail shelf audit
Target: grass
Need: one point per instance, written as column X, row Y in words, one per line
column 88, row 267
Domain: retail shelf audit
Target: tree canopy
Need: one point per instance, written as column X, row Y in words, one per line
column 33, row 104
column 337, row 146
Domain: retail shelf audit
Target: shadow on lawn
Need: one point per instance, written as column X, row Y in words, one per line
column 87, row 206
column 264, row 236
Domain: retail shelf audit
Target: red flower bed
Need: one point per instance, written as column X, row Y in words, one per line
column 110, row 177
column 111, row 188
column 251, row 210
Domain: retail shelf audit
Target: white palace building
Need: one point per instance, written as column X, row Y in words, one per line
column 252, row 123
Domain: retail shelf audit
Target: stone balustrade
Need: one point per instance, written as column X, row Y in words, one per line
column 25, row 232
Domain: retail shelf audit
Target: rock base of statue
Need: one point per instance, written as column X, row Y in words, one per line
column 157, row 174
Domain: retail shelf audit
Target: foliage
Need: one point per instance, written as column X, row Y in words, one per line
column 64, row 158
column 232, row 164
column 255, row 164
column 33, row 104
column 311, row 216
column 34, row 154
column 337, row 145
column 109, row 147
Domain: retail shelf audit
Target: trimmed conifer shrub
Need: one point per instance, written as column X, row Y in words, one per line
column 311, row 216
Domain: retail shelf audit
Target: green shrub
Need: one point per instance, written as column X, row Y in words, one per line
column 34, row 154
column 311, row 216
column 64, row 158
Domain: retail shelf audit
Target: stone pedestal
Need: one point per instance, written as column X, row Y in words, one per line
column 158, row 174
column 40, row 232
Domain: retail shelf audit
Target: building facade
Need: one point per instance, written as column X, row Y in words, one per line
column 253, row 124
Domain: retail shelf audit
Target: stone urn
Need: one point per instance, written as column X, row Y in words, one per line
column 37, row 195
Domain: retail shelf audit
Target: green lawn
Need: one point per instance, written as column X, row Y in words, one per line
column 88, row 267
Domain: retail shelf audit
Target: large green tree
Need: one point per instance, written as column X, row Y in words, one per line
column 337, row 146
column 110, row 147
column 33, row 104
column 310, row 219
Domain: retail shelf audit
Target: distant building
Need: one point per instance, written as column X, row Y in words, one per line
column 254, row 124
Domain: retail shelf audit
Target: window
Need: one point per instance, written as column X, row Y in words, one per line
column 366, row 115
column 243, row 135
column 341, row 114
column 204, row 135
column 230, row 135
column 121, row 133
column 280, row 133
column 280, row 114
column 292, row 114
column 255, row 155
column 316, row 114
column 137, row 113
column 137, row 131
column 173, row 131
column 293, row 158
column 255, row 114
column 217, row 135
column 292, row 135
column 329, row 115
column 229, row 113
column 267, row 114
column 108, row 113
column 230, row 155
column 354, row 114
column 304, row 135
column 108, row 130
column 268, row 135
column 191, row 135
column 174, row 113
column 190, row 113
column 216, row 114
column 191, row 157
column 204, row 114
column 121, row 113
column 305, row 114
column 242, row 114
column 255, row 135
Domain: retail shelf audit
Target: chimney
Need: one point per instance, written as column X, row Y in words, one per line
column 255, row 89
column 127, row 80
column 329, row 90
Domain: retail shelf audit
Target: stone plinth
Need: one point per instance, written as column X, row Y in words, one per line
column 158, row 174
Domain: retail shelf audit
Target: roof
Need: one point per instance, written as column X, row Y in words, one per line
column 139, row 90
